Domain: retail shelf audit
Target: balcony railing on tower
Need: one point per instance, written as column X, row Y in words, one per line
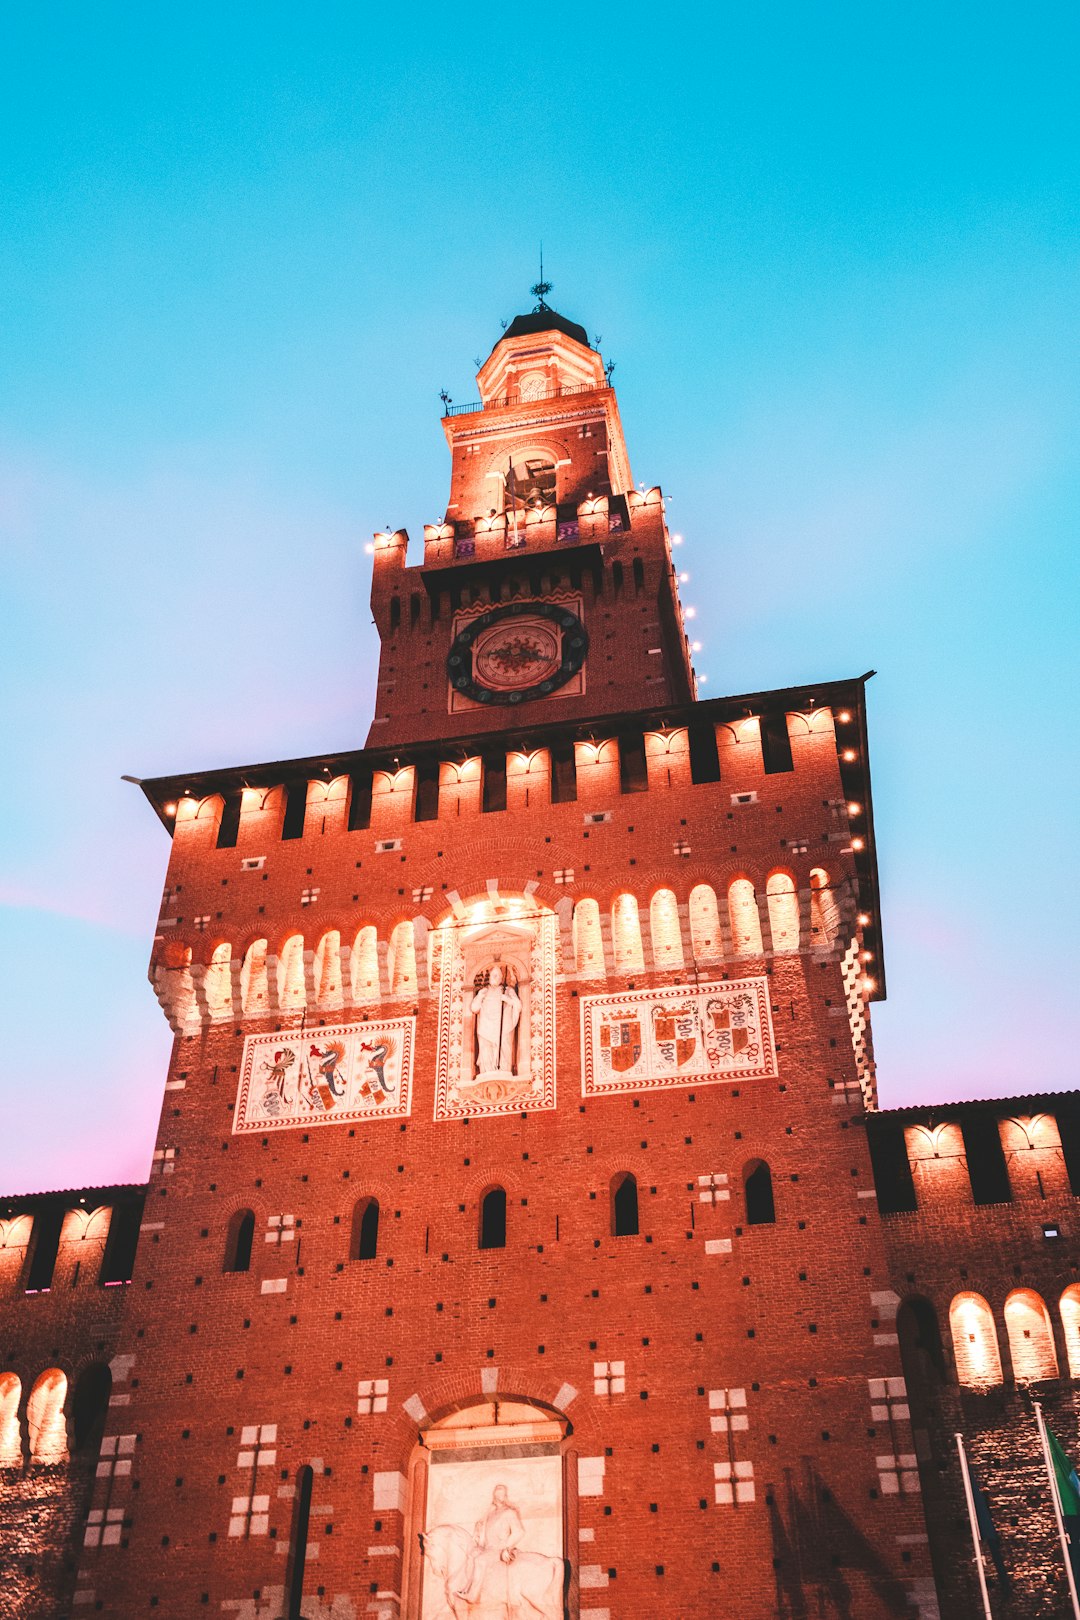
column 529, row 399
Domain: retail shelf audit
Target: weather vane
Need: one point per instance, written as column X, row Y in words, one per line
column 542, row 288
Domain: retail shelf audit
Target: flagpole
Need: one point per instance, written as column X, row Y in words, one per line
column 974, row 1522
column 1057, row 1508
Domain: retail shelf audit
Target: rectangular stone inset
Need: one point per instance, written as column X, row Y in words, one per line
column 681, row 1035
column 354, row 1072
column 389, row 1492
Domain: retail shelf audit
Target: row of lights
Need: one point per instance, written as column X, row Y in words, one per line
column 848, row 755
column 689, row 612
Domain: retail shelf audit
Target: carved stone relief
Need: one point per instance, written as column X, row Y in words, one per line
column 493, row 1545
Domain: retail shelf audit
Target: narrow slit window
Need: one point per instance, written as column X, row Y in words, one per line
column 298, row 1543
column 563, row 773
column 90, row 1407
column 229, row 825
column 238, row 1241
column 775, row 744
column 427, row 790
column 624, row 1206
column 46, row 1243
column 633, row 772
column 987, row 1170
column 704, row 758
column 292, row 825
column 365, row 1245
column 360, row 801
column 494, row 782
column 758, row 1190
column 493, row 1219
column 118, row 1261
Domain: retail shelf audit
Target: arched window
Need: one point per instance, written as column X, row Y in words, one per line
column 395, row 612
column 1031, row 1338
column 757, row 1190
column 254, row 984
column 365, row 965
column 626, row 935
column 365, row 1229
column 183, row 1008
column 639, row 576
column 617, row 578
column 705, row 924
column 493, row 1219
column 1070, row 1321
column 624, row 1205
column 666, row 930
column 744, row 919
column 783, row 913
column 402, row 960
column 217, row 984
column 90, row 1407
column 238, row 1241
column 921, row 1350
column 11, row 1452
column 294, row 1580
column 45, row 1418
column 588, row 942
column 975, row 1344
column 824, row 910
column 292, row 992
column 328, row 991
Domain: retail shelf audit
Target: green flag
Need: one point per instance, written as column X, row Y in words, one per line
column 1068, row 1486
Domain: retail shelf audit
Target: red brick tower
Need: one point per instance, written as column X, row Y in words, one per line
column 511, row 1247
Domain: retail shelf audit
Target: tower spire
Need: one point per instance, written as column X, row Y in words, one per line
column 542, row 287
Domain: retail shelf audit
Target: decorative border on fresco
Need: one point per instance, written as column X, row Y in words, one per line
column 448, row 969
column 326, row 1076
column 678, row 1035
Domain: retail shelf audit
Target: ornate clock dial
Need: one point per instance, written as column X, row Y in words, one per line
column 517, row 652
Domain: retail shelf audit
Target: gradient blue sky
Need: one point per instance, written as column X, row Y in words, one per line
column 833, row 251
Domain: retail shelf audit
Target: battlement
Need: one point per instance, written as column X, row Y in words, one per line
column 1013, row 1151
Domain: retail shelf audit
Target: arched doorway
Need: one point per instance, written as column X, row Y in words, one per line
column 488, row 1505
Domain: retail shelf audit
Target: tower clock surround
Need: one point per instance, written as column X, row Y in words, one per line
column 517, row 652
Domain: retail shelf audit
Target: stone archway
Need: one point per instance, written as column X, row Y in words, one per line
column 489, row 1504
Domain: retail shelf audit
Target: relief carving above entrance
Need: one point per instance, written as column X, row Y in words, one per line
column 492, row 1546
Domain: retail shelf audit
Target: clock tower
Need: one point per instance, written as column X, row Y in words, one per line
column 548, row 591
column 510, row 1246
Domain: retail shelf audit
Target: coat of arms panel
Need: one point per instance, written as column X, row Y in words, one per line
column 677, row 1036
column 326, row 1076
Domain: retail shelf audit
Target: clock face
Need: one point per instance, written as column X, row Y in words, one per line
column 517, row 652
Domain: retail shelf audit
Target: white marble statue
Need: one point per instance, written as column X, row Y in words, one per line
column 497, row 1008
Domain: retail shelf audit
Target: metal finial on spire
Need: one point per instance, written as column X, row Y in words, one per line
column 542, row 288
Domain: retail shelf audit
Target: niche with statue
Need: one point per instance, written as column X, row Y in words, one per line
column 493, row 962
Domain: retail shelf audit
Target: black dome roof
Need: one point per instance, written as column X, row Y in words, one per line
column 546, row 320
